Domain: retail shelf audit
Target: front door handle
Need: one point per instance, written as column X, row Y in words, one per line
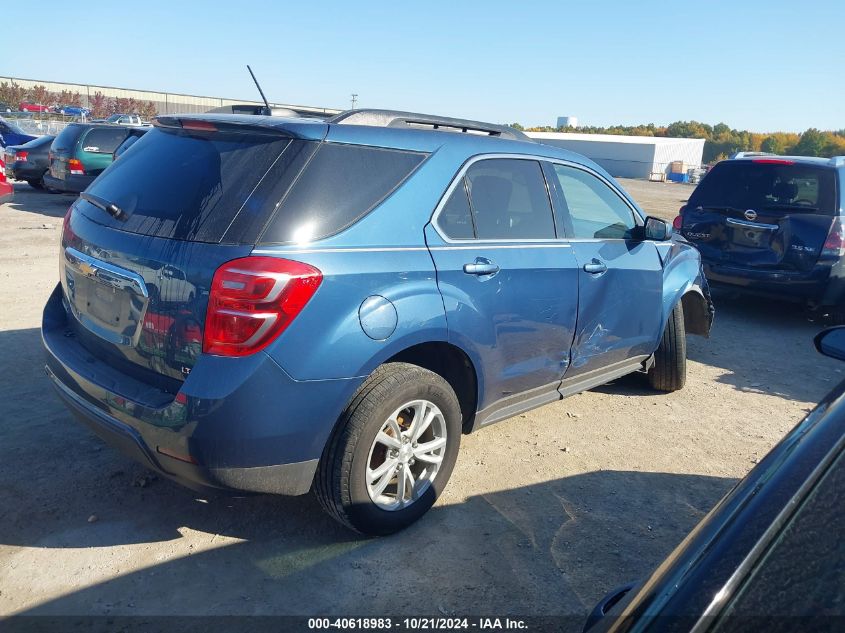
column 481, row 267
column 595, row 267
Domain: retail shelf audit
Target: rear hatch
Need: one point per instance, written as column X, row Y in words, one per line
column 141, row 245
column 764, row 214
column 62, row 149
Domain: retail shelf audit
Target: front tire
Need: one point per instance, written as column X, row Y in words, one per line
column 669, row 372
column 393, row 450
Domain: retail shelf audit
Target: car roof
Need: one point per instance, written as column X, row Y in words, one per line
column 391, row 136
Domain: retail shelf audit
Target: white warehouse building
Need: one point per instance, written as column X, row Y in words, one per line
column 629, row 156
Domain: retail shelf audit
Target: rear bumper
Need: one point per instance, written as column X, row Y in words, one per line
column 24, row 171
column 820, row 285
column 237, row 424
column 69, row 184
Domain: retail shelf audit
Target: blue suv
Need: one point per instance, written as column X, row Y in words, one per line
column 274, row 305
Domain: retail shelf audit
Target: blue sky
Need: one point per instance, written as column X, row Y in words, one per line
column 758, row 65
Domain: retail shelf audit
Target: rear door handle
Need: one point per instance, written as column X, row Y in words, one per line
column 481, row 268
column 595, row 267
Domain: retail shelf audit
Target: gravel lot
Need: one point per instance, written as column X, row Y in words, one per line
column 545, row 512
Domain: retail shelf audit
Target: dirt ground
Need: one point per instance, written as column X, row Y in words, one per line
column 544, row 513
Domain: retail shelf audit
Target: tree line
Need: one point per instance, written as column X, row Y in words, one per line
column 100, row 105
column 721, row 141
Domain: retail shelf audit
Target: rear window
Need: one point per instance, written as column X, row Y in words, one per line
column 232, row 187
column 181, row 186
column 340, row 185
column 67, row 137
column 768, row 186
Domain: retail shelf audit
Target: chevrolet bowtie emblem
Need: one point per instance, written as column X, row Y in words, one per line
column 87, row 269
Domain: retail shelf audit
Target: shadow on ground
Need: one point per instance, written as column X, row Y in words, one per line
column 30, row 200
column 558, row 545
column 762, row 346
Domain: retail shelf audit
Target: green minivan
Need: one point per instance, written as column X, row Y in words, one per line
column 82, row 151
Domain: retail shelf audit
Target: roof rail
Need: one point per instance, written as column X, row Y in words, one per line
column 395, row 118
column 838, row 161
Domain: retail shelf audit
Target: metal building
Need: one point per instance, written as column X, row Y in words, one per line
column 166, row 102
column 629, row 156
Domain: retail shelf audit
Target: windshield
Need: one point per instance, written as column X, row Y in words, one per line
column 768, row 187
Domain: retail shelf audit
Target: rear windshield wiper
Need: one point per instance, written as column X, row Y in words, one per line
column 109, row 207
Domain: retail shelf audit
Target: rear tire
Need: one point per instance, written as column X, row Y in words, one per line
column 345, row 481
column 669, row 372
column 36, row 184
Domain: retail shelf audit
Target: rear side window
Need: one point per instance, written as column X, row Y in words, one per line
column 340, row 185
column 509, row 200
column 101, row 140
column 455, row 219
column 596, row 211
column 184, row 186
column 743, row 184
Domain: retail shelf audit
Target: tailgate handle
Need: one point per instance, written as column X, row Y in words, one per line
column 105, row 272
column 752, row 225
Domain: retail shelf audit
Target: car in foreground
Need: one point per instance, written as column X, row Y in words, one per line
column 268, row 305
column 12, row 134
column 772, row 225
column 29, row 161
column 26, row 106
column 770, row 555
column 80, row 153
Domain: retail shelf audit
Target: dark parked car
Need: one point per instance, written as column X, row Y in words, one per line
column 269, row 304
column 5, row 107
column 772, row 225
column 29, row 161
column 81, row 152
column 134, row 135
column 771, row 554
column 12, row 134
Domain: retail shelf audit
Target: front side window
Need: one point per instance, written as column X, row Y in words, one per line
column 509, row 200
column 596, row 211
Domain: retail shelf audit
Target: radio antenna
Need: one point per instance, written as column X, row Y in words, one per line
column 257, row 85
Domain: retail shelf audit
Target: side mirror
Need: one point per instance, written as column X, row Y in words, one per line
column 831, row 342
column 657, row 229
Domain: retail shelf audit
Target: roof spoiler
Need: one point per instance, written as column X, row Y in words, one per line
column 395, row 118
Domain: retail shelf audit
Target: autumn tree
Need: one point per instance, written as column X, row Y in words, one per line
column 66, row 97
column 12, row 93
column 147, row 110
column 99, row 105
column 40, row 95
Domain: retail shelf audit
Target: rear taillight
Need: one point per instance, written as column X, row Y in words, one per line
column 253, row 300
column 75, row 167
column 678, row 222
column 20, row 156
column 834, row 245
